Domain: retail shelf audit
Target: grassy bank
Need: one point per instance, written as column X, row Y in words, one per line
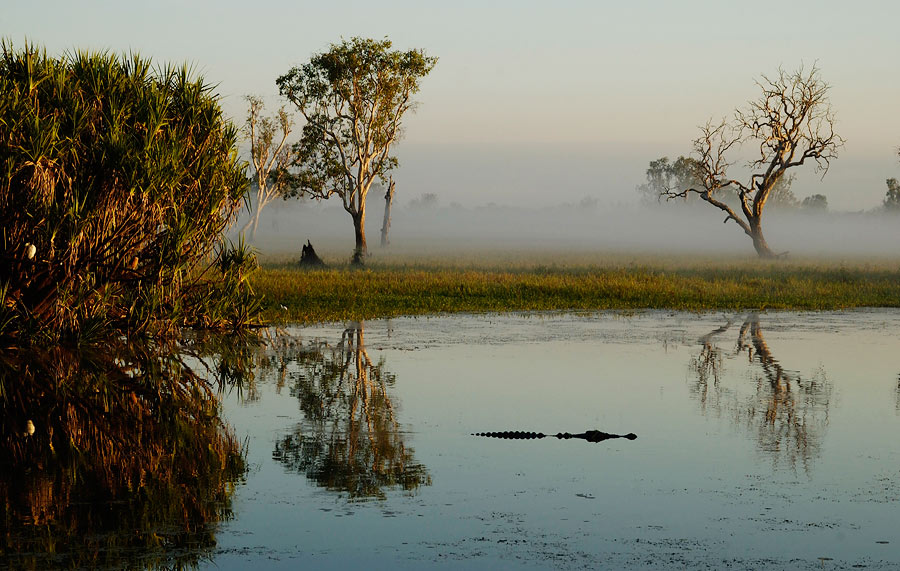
column 393, row 289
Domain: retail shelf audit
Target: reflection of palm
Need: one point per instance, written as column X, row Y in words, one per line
column 350, row 440
column 125, row 452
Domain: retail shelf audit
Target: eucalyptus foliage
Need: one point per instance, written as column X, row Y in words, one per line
column 353, row 98
column 117, row 181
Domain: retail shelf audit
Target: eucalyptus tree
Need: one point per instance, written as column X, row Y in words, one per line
column 815, row 203
column 353, row 98
column 663, row 174
column 269, row 153
column 892, row 196
column 792, row 123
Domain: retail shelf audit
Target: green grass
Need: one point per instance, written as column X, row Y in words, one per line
column 418, row 288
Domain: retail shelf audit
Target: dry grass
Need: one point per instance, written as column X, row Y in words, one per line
column 493, row 282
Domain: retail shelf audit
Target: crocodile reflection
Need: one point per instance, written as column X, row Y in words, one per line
column 350, row 440
column 788, row 411
column 111, row 458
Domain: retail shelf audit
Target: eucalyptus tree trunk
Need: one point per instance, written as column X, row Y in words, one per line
column 759, row 241
column 386, row 225
column 359, row 227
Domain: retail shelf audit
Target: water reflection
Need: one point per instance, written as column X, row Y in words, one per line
column 898, row 393
column 349, row 440
column 787, row 411
column 111, row 457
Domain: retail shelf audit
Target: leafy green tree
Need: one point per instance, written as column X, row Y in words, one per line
column 116, row 184
column 427, row 201
column 664, row 175
column 791, row 123
column 353, row 98
column 892, row 196
column 269, row 153
column 815, row 202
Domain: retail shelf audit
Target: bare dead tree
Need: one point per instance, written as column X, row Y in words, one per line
column 792, row 122
column 388, row 201
column 269, row 154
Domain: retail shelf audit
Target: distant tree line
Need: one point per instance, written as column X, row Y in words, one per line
column 664, row 175
column 892, row 196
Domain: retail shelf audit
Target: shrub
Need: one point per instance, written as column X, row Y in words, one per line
column 117, row 181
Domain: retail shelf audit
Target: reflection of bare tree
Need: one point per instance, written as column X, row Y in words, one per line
column 350, row 440
column 898, row 393
column 789, row 412
column 708, row 365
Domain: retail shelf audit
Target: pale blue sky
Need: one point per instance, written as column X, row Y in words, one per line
column 550, row 101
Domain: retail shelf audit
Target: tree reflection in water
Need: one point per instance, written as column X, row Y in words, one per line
column 898, row 393
column 111, row 459
column 789, row 412
column 349, row 440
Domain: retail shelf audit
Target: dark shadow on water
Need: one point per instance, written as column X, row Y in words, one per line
column 350, row 440
column 114, row 458
column 787, row 411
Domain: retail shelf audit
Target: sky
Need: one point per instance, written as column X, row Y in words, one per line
column 535, row 103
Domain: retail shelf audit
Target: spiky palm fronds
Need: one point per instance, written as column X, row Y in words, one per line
column 122, row 176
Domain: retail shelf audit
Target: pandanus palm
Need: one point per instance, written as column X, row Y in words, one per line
column 124, row 178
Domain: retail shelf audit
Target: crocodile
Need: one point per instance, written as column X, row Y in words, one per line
column 589, row 435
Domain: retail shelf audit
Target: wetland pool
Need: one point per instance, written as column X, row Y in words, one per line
column 763, row 440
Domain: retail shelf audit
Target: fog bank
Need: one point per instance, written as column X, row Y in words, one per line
column 667, row 229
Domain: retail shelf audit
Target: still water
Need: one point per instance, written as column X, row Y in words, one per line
column 765, row 440
column 478, row 442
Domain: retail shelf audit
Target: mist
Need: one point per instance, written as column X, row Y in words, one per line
column 588, row 226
